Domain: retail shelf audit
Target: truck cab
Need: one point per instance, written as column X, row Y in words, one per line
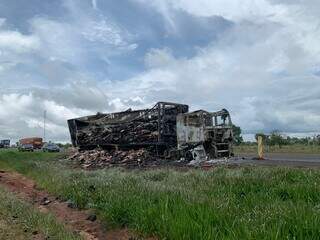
column 203, row 134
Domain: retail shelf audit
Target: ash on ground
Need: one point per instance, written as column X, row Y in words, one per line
column 95, row 159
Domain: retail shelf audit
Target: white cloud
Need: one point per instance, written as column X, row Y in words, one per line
column 63, row 42
column 15, row 41
column 230, row 9
column 22, row 115
column 255, row 10
column 94, row 4
column 159, row 57
column 2, row 21
column 105, row 32
column 252, row 69
column 264, row 66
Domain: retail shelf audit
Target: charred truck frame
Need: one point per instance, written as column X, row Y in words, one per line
column 153, row 128
column 167, row 129
column 203, row 135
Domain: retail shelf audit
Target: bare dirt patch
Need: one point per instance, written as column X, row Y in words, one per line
column 80, row 221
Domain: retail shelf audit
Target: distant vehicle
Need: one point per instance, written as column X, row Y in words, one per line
column 35, row 142
column 5, row 143
column 50, row 147
column 26, row 148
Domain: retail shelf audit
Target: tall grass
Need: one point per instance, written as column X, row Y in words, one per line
column 243, row 203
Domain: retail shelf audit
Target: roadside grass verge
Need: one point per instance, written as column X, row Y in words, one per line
column 295, row 148
column 241, row 203
column 19, row 220
column 11, row 231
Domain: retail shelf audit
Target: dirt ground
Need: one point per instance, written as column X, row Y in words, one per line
column 74, row 219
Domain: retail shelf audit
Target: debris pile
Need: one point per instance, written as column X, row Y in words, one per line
column 95, row 159
column 154, row 127
column 141, row 158
column 141, row 131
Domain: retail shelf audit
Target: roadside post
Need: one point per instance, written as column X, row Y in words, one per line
column 260, row 147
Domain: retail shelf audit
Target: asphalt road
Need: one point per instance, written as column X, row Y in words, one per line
column 281, row 159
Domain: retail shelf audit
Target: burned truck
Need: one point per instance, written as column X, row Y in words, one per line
column 204, row 135
column 166, row 130
column 154, row 129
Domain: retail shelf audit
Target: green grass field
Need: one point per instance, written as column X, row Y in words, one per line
column 19, row 220
column 239, row 203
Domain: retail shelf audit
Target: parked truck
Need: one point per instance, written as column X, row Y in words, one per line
column 30, row 144
column 5, row 143
column 168, row 130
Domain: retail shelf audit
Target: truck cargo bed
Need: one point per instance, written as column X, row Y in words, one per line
column 154, row 127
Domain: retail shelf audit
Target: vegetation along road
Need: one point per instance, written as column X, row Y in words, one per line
column 221, row 203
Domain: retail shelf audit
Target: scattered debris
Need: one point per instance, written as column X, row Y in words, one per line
column 92, row 218
column 141, row 158
column 45, row 201
column 71, row 204
column 95, row 159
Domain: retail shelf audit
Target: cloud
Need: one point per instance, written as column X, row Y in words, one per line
column 22, row 115
column 229, row 9
column 159, row 57
column 252, row 69
column 107, row 33
column 2, row 21
column 259, row 59
column 15, row 41
column 94, row 4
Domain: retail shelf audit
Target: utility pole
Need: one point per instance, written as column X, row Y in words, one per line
column 44, row 125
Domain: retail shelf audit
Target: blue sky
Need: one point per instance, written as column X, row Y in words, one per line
column 257, row 58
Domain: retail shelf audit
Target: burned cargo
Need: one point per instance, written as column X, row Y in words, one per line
column 153, row 128
column 168, row 130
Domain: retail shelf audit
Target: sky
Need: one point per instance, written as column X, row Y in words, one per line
column 260, row 59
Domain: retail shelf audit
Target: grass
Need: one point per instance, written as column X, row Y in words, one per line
column 242, row 203
column 19, row 220
column 10, row 231
column 296, row 148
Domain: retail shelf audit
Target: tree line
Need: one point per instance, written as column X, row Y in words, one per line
column 276, row 138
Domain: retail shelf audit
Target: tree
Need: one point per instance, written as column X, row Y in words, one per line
column 265, row 138
column 276, row 138
column 237, row 134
